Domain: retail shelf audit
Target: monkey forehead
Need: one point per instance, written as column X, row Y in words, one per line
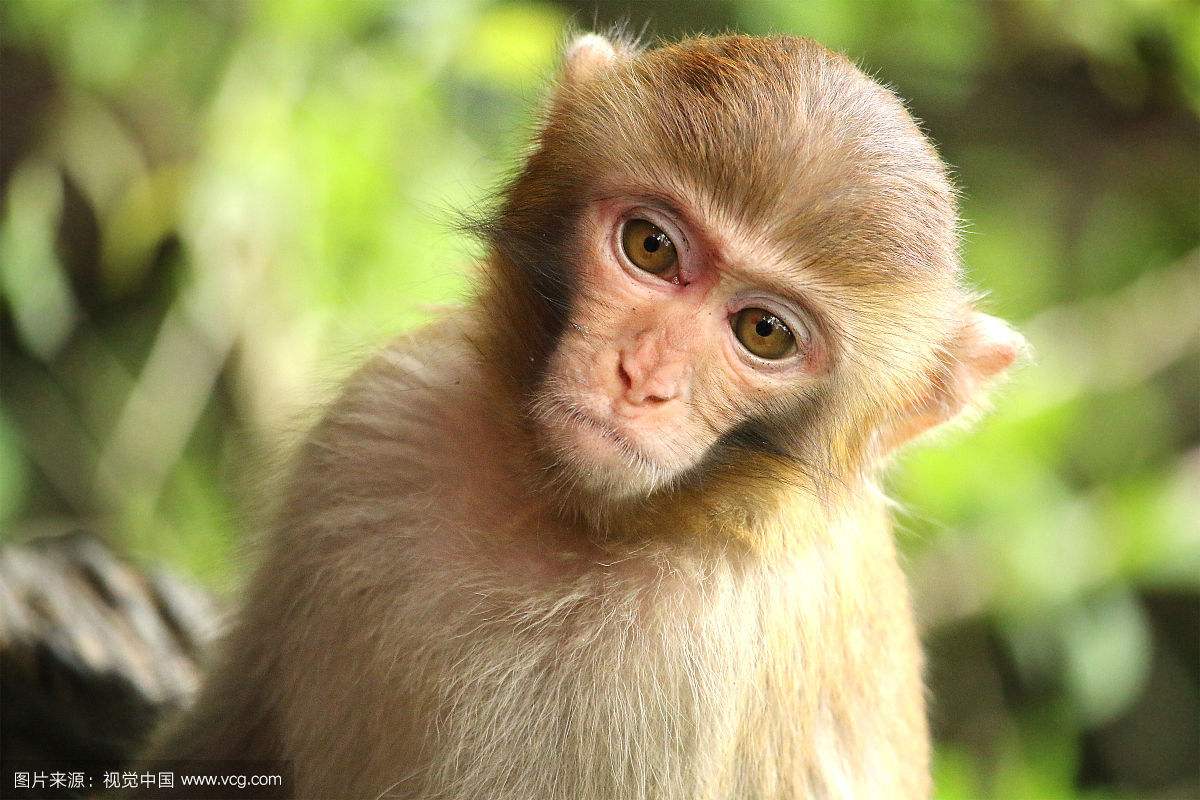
column 793, row 138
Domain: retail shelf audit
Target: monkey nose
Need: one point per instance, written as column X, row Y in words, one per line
column 653, row 386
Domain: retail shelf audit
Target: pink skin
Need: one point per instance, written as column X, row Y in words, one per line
column 651, row 374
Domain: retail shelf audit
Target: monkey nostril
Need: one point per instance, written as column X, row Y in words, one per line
column 626, row 380
column 650, row 394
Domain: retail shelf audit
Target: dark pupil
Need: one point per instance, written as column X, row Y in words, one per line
column 764, row 327
column 653, row 242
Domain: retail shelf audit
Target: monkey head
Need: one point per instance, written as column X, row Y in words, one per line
column 728, row 250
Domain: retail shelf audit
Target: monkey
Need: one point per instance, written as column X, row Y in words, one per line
column 614, row 528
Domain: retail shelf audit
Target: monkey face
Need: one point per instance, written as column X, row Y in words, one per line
column 735, row 248
column 673, row 342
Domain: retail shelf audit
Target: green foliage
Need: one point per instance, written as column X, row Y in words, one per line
column 211, row 210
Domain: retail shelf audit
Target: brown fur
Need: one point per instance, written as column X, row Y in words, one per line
column 443, row 613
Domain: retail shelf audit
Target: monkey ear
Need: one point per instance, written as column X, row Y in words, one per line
column 587, row 56
column 982, row 350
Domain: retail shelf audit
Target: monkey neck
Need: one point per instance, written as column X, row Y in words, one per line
column 761, row 504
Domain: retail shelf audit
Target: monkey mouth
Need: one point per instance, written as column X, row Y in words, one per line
column 605, row 430
column 570, row 415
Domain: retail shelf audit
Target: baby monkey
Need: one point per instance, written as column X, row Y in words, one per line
column 613, row 530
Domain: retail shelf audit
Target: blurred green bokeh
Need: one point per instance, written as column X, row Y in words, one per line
column 211, row 210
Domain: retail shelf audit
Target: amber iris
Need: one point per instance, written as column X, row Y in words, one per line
column 648, row 248
column 763, row 334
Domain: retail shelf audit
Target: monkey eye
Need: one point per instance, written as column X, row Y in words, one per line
column 763, row 334
column 648, row 248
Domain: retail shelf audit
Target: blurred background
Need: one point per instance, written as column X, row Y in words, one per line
column 209, row 211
